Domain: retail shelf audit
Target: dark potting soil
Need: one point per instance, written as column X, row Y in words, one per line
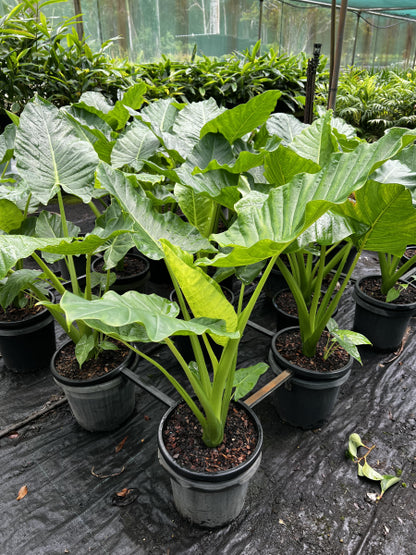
column 289, row 345
column 13, row 314
column 132, row 266
column 371, row 287
column 183, row 440
column 286, row 302
column 66, row 364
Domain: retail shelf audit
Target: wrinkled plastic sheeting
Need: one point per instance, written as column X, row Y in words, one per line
column 305, row 498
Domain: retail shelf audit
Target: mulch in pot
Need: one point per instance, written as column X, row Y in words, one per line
column 182, row 437
column 132, row 266
column 67, row 365
column 289, row 346
column 371, row 286
column 13, row 314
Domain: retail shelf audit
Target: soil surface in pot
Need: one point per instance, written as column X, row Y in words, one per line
column 289, row 345
column 371, row 287
column 13, row 314
column 286, row 302
column 183, row 440
column 66, row 364
column 132, row 266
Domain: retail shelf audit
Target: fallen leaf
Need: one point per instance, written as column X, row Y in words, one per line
column 146, row 417
column 120, row 445
column 123, row 492
column 124, row 497
column 22, row 493
column 102, row 476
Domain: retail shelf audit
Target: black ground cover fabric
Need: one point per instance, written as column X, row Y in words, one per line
column 305, row 498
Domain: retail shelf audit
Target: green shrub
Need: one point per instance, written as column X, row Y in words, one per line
column 232, row 80
column 39, row 57
column 374, row 101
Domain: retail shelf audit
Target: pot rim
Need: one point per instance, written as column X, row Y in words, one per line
column 100, row 257
column 305, row 372
column 30, row 320
column 393, row 307
column 130, row 361
column 222, row 476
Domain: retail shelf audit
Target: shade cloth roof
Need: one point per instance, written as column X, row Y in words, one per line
column 391, row 8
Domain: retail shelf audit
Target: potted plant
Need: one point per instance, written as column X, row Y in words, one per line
column 248, row 241
column 57, row 163
column 27, row 332
column 386, row 302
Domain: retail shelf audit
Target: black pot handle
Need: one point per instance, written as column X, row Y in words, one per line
column 149, row 388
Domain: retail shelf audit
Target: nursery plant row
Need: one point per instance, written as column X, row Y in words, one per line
column 207, row 194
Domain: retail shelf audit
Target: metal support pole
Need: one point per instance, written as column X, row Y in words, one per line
column 337, row 61
column 355, row 38
column 79, row 23
column 260, row 17
column 332, row 45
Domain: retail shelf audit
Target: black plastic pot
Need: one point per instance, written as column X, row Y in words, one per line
column 408, row 254
column 134, row 282
column 308, row 398
column 100, row 404
column 384, row 324
column 28, row 345
column 215, row 498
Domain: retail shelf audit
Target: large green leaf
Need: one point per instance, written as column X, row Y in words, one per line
column 156, row 314
column 244, row 118
column 281, row 165
column 246, row 378
column 202, row 293
column 16, row 247
column 316, row 142
column 135, row 144
column 49, row 224
column 387, row 210
column 7, row 139
column 285, row 126
column 11, row 216
column 188, row 124
column 267, row 224
column 49, row 154
column 394, row 171
column 199, row 209
column 218, row 185
column 15, row 283
column 19, row 193
column 149, row 225
column 92, row 129
column 160, row 115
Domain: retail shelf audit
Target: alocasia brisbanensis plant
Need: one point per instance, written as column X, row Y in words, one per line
column 277, row 190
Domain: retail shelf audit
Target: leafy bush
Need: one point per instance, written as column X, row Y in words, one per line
column 232, row 80
column 374, row 101
column 38, row 57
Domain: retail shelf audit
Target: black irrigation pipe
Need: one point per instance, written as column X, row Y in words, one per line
column 34, row 416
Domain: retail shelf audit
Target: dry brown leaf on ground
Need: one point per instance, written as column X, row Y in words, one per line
column 123, row 492
column 120, row 445
column 22, row 493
